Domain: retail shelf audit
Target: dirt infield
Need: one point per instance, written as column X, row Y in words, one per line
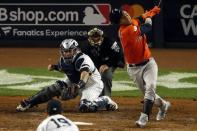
column 182, row 116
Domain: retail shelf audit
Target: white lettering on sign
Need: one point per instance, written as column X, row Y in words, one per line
column 188, row 22
column 37, row 16
column 48, row 14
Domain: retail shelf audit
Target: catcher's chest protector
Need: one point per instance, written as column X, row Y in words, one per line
column 69, row 69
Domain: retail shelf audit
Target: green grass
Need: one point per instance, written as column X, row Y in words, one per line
column 134, row 93
column 15, row 92
column 119, row 75
column 190, row 80
column 163, row 92
column 177, row 93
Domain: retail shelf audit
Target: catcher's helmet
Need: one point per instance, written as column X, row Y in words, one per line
column 95, row 37
column 115, row 15
column 68, row 45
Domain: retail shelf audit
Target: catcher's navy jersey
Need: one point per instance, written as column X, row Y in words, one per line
column 80, row 62
column 69, row 70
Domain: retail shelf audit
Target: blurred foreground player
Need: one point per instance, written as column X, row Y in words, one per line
column 55, row 121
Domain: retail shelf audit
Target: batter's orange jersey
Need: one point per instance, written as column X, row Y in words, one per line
column 134, row 44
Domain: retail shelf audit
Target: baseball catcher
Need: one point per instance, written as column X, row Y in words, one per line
column 141, row 67
column 83, row 79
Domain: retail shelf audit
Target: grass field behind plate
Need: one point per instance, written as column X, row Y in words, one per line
column 120, row 75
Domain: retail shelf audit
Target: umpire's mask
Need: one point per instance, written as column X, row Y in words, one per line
column 95, row 37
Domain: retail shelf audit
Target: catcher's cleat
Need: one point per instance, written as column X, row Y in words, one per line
column 23, row 106
column 87, row 106
column 162, row 111
column 111, row 105
column 142, row 120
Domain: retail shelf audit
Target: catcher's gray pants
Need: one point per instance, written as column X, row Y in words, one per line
column 145, row 78
column 107, row 81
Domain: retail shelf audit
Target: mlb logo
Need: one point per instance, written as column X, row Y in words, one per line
column 96, row 14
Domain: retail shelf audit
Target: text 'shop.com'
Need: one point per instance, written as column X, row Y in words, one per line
column 88, row 14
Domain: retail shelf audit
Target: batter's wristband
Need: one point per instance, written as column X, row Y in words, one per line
column 81, row 84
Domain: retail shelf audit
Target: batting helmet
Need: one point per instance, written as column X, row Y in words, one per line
column 115, row 15
column 54, row 107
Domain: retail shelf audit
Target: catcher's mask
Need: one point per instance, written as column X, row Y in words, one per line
column 95, row 37
column 68, row 50
column 115, row 15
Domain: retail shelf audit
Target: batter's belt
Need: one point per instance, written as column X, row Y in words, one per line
column 139, row 64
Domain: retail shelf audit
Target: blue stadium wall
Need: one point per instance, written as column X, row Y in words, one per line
column 45, row 23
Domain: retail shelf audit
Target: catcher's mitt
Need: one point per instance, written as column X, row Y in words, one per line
column 70, row 92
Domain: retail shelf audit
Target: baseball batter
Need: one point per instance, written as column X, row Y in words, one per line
column 141, row 67
column 83, row 78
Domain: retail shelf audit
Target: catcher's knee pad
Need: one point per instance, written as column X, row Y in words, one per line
column 47, row 93
column 87, row 106
column 56, row 88
column 60, row 84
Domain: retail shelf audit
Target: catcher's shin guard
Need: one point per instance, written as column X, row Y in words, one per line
column 47, row 93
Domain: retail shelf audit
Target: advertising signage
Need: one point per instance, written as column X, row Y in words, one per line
column 180, row 21
column 45, row 23
column 50, row 21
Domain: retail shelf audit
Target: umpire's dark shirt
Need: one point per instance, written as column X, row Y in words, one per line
column 109, row 52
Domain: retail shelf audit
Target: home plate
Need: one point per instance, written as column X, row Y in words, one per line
column 83, row 123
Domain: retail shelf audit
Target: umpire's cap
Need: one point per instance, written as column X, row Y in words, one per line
column 115, row 15
column 54, row 107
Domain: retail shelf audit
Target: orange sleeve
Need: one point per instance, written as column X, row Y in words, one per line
column 135, row 22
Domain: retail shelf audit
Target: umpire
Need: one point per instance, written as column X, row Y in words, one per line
column 106, row 54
